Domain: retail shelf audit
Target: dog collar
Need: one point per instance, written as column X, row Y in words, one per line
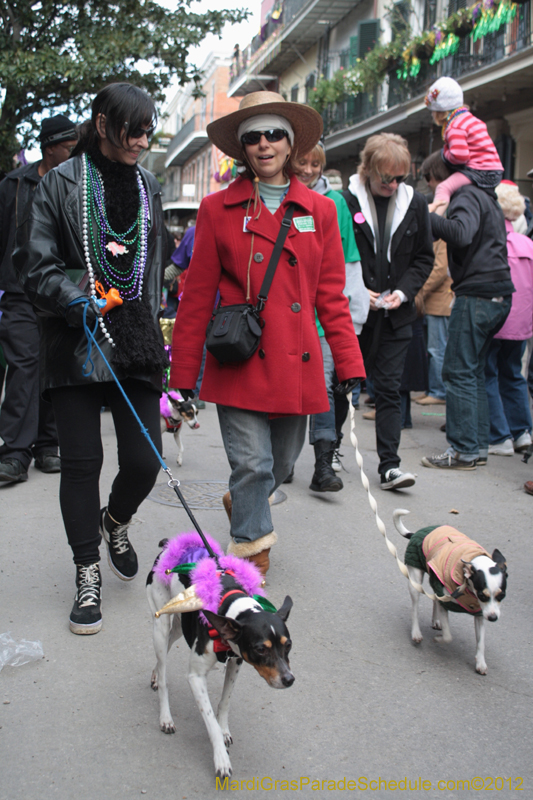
column 173, row 426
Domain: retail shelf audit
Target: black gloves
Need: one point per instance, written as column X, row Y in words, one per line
column 187, row 394
column 74, row 315
column 347, row 386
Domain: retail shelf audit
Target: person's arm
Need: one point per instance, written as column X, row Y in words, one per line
column 456, row 149
column 463, row 221
column 37, row 257
column 439, row 272
column 332, row 305
column 422, row 257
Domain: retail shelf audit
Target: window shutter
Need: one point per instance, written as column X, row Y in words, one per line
column 353, row 50
column 368, row 36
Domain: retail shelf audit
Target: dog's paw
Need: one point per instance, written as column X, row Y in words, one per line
column 481, row 667
column 179, row 461
column 442, row 639
column 436, row 625
column 223, row 766
column 167, row 726
column 228, row 740
column 417, row 638
column 153, row 681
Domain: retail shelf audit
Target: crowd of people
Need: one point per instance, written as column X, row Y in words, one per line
column 367, row 285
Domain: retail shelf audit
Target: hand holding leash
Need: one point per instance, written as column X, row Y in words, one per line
column 345, row 387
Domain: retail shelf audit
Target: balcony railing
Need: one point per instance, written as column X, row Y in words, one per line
column 182, row 134
column 470, row 57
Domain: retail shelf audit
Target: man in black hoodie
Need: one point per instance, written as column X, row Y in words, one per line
column 27, row 424
column 474, row 231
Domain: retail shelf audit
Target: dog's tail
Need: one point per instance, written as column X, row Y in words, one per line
column 397, row 515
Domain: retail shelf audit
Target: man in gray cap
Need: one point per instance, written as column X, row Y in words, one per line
column 27, row 425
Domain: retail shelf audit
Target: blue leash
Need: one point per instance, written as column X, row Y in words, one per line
column 173, row 482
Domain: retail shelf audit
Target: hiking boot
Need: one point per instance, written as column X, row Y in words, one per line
column 324, row 478
column 120, row 553
column 394, row 478
column 12, row 471
column 86, row 614
column 447, row 461
column 48, row 463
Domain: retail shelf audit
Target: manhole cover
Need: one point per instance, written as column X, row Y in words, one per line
column 202, row 495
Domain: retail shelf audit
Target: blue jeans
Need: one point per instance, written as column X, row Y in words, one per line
column 437, row 338
column 322, row 426
column 473, row 323
column 507, row 394
column 261, row 453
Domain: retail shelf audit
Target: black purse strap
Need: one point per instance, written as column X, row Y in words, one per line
column 286, row 222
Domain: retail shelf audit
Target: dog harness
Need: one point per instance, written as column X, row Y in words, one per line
column 172, row 424
column 445, row 549
column 219, row 645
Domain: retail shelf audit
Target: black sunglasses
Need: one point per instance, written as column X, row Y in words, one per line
column 138, row 133
column 387, row 179
column 273, row 135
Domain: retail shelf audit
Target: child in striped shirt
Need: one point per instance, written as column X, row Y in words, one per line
column 468, row 149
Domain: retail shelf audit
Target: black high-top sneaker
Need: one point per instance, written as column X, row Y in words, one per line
column 86, row 614
column 120, row 553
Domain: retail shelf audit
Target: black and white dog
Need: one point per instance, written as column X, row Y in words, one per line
column 223, row 617
column 174, row 411
column 458, row 568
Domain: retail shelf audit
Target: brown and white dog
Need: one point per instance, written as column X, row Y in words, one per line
column 460, row 569
column 174, row 412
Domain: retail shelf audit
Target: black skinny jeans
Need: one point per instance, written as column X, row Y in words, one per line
column 77, row 411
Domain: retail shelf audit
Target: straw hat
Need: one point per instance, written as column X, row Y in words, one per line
column 306, row 122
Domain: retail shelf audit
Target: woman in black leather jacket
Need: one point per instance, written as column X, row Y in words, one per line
column 96, row 224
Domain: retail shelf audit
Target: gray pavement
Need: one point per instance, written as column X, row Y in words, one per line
column 83, row 722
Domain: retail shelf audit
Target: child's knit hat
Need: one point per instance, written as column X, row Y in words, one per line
column 444, row 95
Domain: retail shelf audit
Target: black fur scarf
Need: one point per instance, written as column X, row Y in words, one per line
column 138, row 345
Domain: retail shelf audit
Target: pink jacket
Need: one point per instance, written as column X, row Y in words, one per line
column 519, row 323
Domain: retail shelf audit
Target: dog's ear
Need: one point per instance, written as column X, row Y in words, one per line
column 228, row 628
column 285, row 609
column 469, row 568
column 499, row 558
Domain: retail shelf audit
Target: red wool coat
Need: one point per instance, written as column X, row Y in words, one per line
column 285, row 375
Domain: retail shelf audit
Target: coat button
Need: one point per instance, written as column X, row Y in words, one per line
column 305, row 356
column 258, row 257
column 296, row 307
column 261, row 353
column 293, row 261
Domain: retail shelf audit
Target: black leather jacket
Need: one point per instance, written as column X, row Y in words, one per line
column 50, row 263
column 412, row 257
column 16, row 195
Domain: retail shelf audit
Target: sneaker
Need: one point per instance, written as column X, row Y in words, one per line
column 502, row 448
column 447, row 461
column 481, row 461
column 12, row 471
column 120, row 553
column 48, row 462
column 396, row 479
column 523, row 442
column 86, row 614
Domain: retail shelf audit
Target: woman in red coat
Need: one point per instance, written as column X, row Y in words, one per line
column 263, row 402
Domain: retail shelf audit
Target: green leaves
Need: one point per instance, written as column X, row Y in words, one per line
column 57, row 54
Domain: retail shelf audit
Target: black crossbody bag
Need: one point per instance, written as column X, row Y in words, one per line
column 234, row 332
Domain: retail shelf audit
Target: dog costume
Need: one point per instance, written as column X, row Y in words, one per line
column 440, row 551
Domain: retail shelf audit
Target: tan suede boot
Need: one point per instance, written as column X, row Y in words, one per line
column 226, row 500
column 257, row 551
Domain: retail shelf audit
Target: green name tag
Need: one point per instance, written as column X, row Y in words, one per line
column 304, row 224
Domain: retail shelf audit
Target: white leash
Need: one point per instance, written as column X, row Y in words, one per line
column 379, row 522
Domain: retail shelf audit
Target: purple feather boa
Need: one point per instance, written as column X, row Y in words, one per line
column 187, row 548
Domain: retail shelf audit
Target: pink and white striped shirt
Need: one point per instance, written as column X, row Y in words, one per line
column 467, row 142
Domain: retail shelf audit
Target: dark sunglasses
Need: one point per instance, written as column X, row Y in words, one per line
column 273, row 135
column 387, row 179
column 138, row 133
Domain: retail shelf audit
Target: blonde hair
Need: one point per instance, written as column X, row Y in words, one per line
column 317, row 154
column 384, row 149
column 511, row 201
